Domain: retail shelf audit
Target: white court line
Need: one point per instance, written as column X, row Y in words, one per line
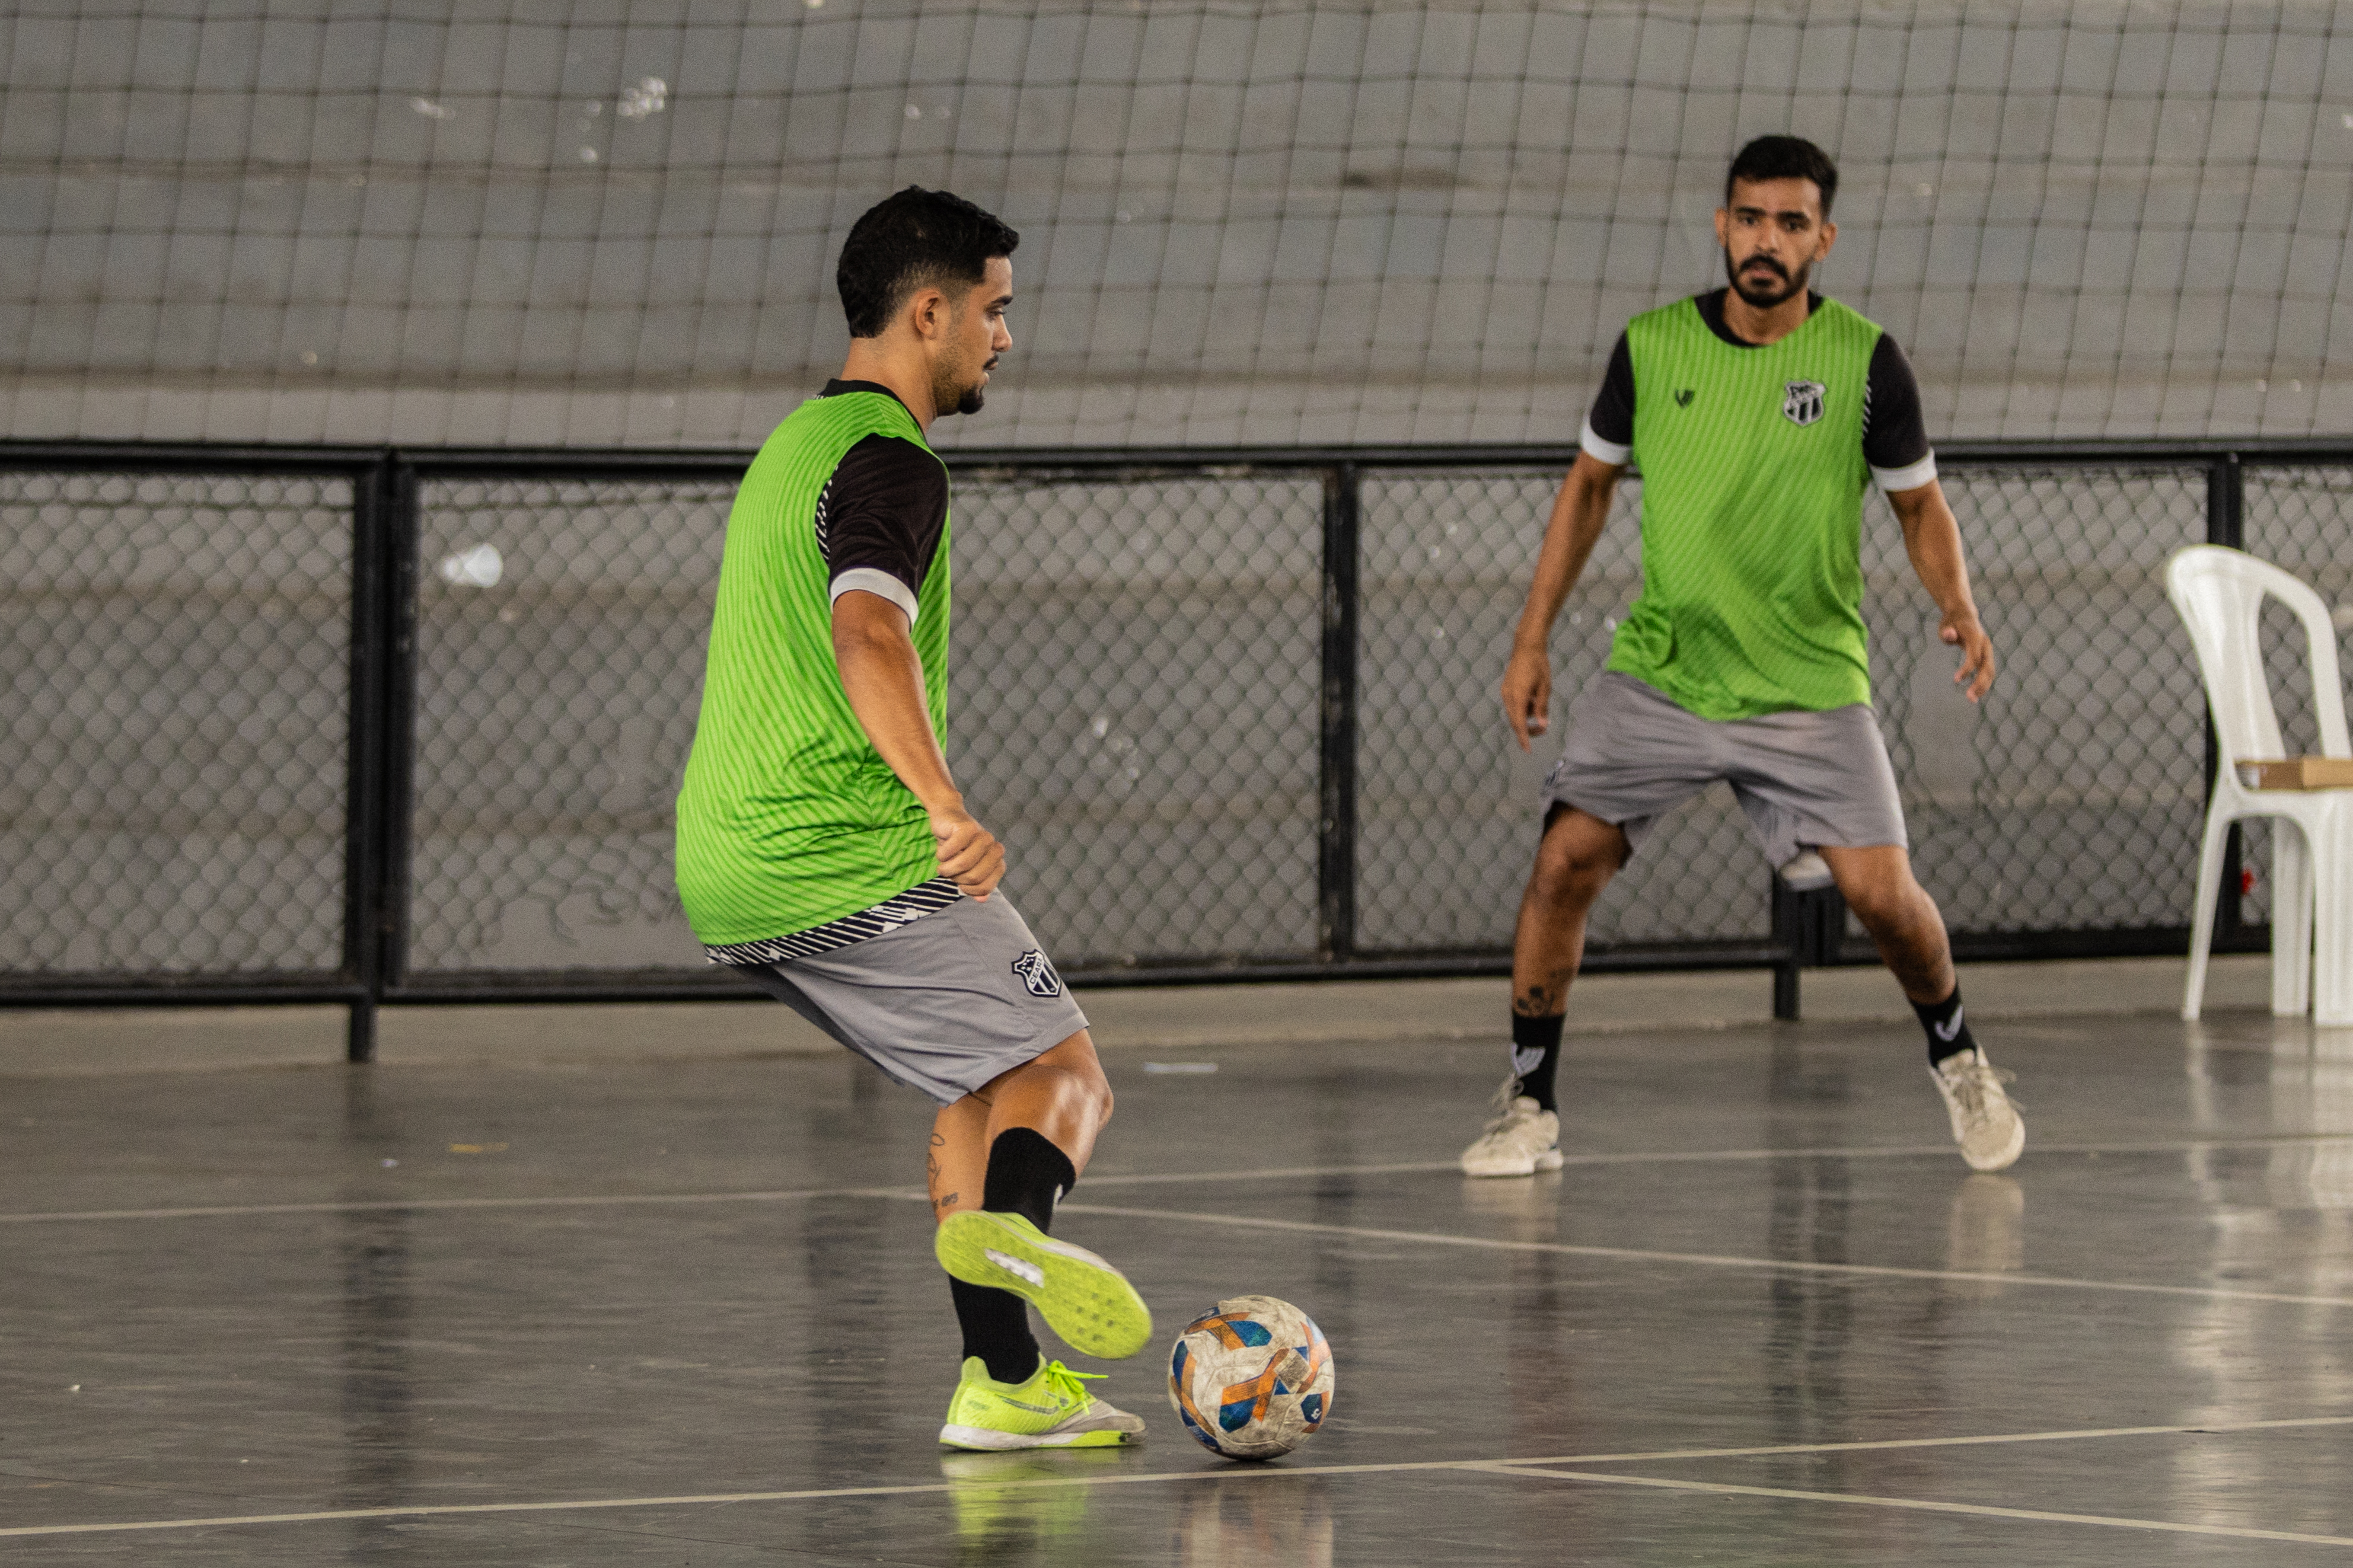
column 378, row 1205
column 1710, row 1156
column 1151, row 1178
column 1922, row 1505
column 2072, row 1435
column 1501, row 1467
column 1705, row 1259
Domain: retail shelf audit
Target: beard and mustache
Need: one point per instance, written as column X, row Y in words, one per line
column 1766, row 294
column 950, row 397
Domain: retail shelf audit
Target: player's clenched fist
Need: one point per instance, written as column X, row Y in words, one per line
column 1528, row 693
column 970, row 856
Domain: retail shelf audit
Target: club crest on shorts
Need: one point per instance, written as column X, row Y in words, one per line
column 1803, row 406
column 1037, row 971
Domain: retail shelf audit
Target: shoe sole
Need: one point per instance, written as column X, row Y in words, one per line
column 987, row 1441
column 1550, row 1160
column 1083, row 1299
column 2010, row 1151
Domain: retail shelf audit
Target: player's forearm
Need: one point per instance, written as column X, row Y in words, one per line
column 883, row 679
column 1932, row 538
column 1578, row 515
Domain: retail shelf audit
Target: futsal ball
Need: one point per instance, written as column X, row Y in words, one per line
column 1251, row 1380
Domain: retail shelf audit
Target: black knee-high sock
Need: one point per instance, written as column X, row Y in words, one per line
column 995, row 1326
column 1947, row 1027
column 1536, row 1054
column 1026, row 1175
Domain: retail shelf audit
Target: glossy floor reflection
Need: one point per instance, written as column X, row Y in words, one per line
column 684, row 1313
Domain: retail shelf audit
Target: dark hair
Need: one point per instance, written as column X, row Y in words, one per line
column 1784, row 158
column 916, row 239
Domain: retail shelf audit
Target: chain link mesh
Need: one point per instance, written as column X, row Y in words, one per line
column 178, row 658
column 2296, row 519
column 1135, row 709
column 2073, row 797
column 561, row 628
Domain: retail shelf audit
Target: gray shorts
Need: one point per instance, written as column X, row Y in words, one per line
column 944, row 1003
column 1803, row 779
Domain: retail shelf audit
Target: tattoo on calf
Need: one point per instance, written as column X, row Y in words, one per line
column 1543, row 999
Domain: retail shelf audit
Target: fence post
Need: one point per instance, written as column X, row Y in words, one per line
column 2226, row 504
column 1809, row 928
column 1335, row 923
column 384, row 616
column 370, row 622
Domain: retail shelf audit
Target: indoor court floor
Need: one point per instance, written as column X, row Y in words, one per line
column 684, row 1313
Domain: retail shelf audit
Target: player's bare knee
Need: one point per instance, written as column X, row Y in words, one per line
column 1876, row 905
column 1087, row 1090
column 1569, row 878
column 1886, row 906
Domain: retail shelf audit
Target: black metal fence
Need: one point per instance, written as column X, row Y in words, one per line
column 372, row 726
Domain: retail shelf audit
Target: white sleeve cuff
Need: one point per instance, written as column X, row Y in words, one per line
column 1602, row 451
column 875, row 581
column 1909, row 477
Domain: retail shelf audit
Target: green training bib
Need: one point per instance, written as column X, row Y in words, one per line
column 787, row 816
column 1753, row 478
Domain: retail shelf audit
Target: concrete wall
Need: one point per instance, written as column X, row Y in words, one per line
column 534, row 222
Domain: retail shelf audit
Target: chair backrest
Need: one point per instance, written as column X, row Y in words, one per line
column 2220, row 593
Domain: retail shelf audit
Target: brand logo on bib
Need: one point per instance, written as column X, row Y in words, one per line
column 1683, row 396
column 1803, row 406
column 1036, row 972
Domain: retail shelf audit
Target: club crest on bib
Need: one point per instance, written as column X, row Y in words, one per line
column 1803, row 405
column 1037, row 971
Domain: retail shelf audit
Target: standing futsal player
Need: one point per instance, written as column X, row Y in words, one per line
column 824, row 851
column 1758, row 413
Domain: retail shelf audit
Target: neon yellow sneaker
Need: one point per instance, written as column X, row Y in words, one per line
column 1052, row 1410
column 1084, row 1299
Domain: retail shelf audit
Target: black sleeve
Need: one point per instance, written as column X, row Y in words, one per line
column 1894, row 432
column 884, row 507
column 1612, row 417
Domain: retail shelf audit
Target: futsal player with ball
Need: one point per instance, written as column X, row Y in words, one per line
column 824, row 853
column 1758, row 413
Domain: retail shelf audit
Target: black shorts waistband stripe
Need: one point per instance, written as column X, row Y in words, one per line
column 905, row 908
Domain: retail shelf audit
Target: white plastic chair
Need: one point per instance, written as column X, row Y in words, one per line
column 2220, row 593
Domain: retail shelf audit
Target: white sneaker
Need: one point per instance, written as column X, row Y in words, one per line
column 1985, row 1125
column 1521, row 1142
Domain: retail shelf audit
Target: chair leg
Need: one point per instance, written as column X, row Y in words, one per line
column 2291, row 869
column 2201, row 923
column 2332, row 921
